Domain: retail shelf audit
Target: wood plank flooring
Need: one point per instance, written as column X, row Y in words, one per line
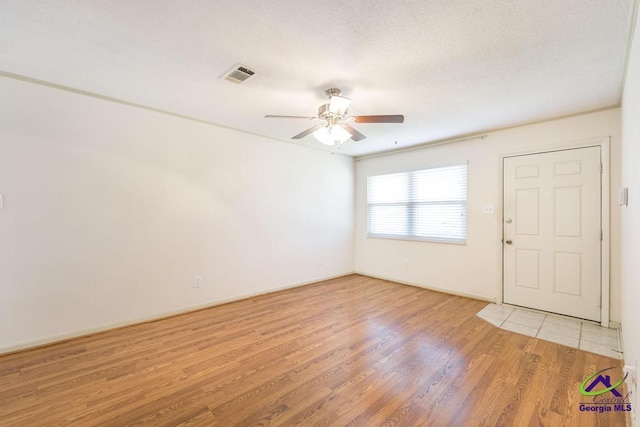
column 353, row 351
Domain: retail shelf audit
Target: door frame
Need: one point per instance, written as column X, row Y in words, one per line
column 604, row 144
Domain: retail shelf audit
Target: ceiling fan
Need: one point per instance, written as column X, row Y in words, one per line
column 335, row 122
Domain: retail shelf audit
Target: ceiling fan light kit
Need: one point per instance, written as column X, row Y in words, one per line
column 336, row 123
column 339, row 105
column 331, row 135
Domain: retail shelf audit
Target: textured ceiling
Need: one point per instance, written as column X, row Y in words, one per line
column 452, row 67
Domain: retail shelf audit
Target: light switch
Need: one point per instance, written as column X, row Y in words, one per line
column 488, row 209
column 623, row 196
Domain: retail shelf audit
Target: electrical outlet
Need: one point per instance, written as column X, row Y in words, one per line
column 406, row 263
column 197, row 281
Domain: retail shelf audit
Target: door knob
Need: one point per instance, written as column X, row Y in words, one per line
column 508, row 242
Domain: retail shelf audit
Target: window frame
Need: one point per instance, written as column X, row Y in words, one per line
column 410, row 207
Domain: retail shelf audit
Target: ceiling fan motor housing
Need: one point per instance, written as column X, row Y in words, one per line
column 323, row 111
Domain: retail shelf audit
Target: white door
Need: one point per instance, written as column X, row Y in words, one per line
column 552, row 232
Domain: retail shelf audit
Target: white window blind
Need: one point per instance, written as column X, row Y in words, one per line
column 428, row 204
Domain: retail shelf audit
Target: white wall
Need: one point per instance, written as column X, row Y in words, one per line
column 475, row 269
column 631, row 214
column 110, row 210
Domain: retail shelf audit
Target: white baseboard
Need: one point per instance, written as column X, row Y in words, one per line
column 145, row 319
column 614, row 325
column 431, row 288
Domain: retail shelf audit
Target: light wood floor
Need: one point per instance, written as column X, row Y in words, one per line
column 351, row 351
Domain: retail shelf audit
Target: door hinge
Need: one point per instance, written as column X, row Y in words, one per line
column 601, row 235
column 601, row 168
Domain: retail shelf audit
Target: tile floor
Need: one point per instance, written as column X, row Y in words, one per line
column 568, row 331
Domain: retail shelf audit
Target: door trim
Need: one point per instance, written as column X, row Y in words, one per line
column 605, row 245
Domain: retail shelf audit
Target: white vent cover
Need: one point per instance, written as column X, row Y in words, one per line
column 238, row 74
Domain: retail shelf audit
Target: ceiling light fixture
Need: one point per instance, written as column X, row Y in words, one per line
column 331, row 135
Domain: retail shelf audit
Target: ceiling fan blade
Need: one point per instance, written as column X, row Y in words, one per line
column 338, row 105
column 272, row 116
column 355, row 135
column 307, row 132
column 380, row 119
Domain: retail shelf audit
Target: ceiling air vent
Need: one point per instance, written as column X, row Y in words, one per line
column 238, row 74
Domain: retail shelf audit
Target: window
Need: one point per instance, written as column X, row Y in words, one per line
column 429, row 204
